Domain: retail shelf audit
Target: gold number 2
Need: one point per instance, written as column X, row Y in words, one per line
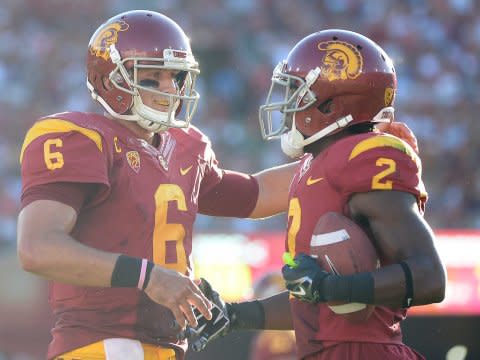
column 378, row 181
column 53, row 160
column 164, row 232
column 294, row 212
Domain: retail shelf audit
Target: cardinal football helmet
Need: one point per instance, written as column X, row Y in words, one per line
column 330, row 80
column 141, row 40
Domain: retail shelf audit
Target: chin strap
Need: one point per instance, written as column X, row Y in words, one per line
column 145, row 114
column 293, row 141
column 108, row 109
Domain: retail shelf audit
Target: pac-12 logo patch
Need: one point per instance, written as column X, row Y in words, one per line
column 133, row 158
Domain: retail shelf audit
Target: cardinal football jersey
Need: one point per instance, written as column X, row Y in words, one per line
column 145, row 206
column 357, row 163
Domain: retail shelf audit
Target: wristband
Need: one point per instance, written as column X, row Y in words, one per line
column 131, row 272
column 351, row 288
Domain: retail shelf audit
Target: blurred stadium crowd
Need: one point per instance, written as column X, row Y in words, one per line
column 435, row 45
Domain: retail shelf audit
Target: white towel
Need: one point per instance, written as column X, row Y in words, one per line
column 121, row 349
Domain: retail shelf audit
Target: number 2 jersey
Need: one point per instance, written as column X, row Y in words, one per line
column 145, row 205
column 356, row 163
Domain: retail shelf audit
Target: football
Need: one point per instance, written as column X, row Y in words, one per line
column 342, row 247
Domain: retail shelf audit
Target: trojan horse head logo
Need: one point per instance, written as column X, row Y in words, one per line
column 106, row 37
column 341, row 60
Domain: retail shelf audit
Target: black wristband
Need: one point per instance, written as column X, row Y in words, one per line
column 351, row 288
column 131, row 272
column 248, row 315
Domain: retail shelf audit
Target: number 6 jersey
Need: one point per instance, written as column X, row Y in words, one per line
column 144, row 206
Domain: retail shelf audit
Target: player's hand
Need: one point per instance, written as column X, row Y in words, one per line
column 303, row 277
column 178, row 293
column 400, row 130
column 209, row 329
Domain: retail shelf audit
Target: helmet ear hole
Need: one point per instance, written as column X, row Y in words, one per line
column 107, row 86
column 326, row 107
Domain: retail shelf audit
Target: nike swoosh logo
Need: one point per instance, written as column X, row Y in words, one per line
column 186, row 170
column 299, row 292
column 311, row 181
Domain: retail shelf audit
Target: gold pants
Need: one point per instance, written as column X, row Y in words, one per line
column 96, row 351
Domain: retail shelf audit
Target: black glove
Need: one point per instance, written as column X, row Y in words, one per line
column 304, row 277
column 208, row 330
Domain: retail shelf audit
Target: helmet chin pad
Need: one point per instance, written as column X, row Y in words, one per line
column 155, row 120
column 292, row 143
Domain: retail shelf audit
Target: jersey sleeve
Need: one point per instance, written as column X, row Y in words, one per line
column 60, row 151
column 212, row 174
column 71, row 194
column 379, row 163
column 234, row 196
column 223, row 192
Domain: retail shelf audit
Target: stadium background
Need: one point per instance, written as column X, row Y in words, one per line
column 435, row 45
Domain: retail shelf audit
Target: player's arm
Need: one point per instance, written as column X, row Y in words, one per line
column 274, row 185
column 277, row 312
column 46, row 248
column 272, row 313
column 249, row 196
column 265, row 193
column 415, row 276
column 402, row 236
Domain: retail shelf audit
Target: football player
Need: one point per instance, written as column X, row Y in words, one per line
column 109, row 200
column 338, row 84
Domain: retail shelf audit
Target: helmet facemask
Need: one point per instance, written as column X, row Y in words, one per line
column 298, row 96
column 124, row 77
column 295, row 95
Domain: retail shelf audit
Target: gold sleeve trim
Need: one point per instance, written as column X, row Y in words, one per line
column 384, row 141
column 49, row 126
